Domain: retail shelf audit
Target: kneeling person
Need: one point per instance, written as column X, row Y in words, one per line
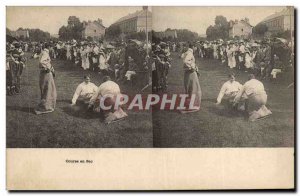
column 84, row 91
column 229, row 91
column 255, row 96
column 106, row 95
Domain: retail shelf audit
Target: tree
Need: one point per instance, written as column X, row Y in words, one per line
column 220, row 30
column 221, row 21
column 260, row 29
column 63, row 33
column 113, row 31
column 39, row 35
column 8, row 31
column 186, row 35
column 73, row 30
column 141, row 36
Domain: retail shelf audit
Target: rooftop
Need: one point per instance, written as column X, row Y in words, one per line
column 96, row 22
column 134, row 15
column 284, row 12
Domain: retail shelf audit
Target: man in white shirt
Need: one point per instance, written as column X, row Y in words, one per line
column 229, row 90
column 84, row 91
column 107, row 93
column 253, row 92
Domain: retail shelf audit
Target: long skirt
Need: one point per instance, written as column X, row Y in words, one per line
column 48, row 92
column 192, row 86
column 231, row 62
column 85, row 64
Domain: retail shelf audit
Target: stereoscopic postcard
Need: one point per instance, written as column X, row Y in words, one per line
column 150, row 98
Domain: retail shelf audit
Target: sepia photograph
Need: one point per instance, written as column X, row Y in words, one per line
column 150, row 77
column 150, row 97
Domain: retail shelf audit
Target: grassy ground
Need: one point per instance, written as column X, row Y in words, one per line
column 217, row 127
column 67, row 127
column 211, row 127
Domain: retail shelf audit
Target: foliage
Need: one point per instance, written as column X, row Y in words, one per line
column 113, row 31
column 141, row 36
column 73, row 30
column 220, row 30
column 283, row 34
column 182, row 35
column 260, row 29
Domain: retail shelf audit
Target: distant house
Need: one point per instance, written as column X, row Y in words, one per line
column 20, row 33
column 136, row 22
column 280, row 21
column 93, row 29
column 240, row 28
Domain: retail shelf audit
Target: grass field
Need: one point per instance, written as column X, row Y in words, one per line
column 66, row 127
column 210, row 127
column 217, row 127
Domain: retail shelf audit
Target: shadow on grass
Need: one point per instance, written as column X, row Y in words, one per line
column 21, row 109
column 80, row 111
column 209, row 100
column 64, row 101
column 223, row 111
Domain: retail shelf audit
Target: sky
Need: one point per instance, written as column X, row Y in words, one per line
column 52, row 18
column 197, row 19
column 194, row 18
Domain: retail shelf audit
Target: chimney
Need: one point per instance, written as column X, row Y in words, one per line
column 100, row 21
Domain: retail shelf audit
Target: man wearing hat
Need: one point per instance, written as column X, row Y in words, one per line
column 241, row 55
column 16, row 64
column 132, row 67
column 266, row 60
column 95, row 56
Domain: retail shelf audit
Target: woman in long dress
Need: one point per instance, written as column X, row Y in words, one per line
column 191, row 81
column 231, row 56
column 47, row 85
column 85, row 64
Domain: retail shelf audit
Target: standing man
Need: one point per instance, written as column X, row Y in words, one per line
column 47, row 85
column 17, row 65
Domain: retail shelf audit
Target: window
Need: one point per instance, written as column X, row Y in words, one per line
column 95, row 30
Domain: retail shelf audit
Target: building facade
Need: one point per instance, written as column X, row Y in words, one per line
column 93, row 29
column 280, row 21
column 240, row 28
column 140, row 21
column 20, row 33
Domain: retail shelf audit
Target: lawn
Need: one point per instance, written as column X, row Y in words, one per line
column 210, row 127
column 218, row 127
column 66, row 127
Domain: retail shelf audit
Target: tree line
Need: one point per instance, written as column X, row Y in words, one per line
column 220, row 30
column 34, row 34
